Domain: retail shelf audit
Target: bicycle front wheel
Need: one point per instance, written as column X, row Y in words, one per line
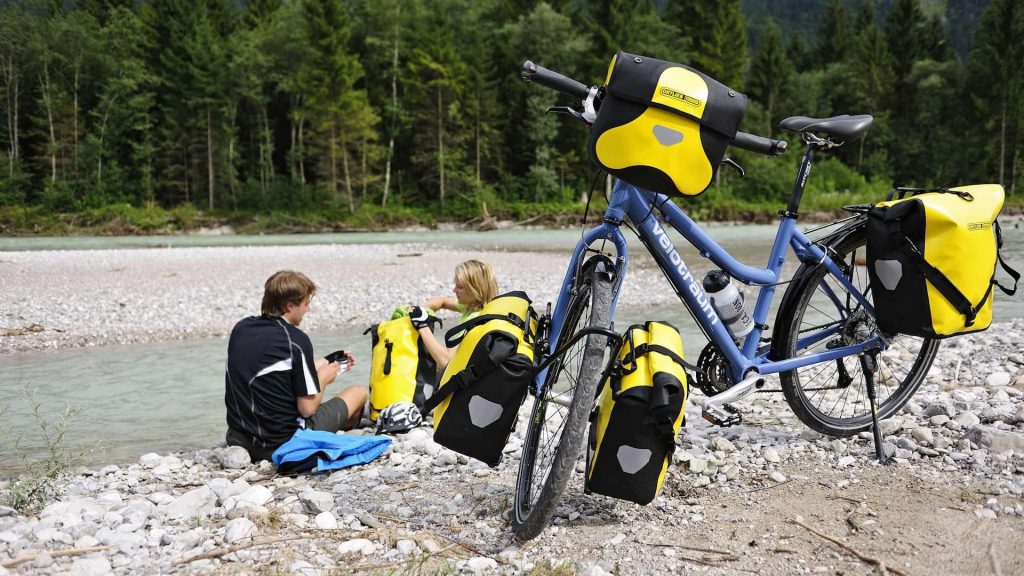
column 559, row 417
column 819, row 314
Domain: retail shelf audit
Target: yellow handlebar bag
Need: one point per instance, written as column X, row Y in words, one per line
column 639, row 412
column 664, row 126
column 478, row 397
column 932, row 260
column 401, row 369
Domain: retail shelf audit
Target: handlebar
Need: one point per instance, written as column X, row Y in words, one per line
column 551, row 79
column 759, row 144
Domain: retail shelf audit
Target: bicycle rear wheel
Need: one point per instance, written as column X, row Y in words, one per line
column 831, row 397
column 559, row 417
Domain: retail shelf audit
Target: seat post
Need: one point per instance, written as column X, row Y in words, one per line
column 801, row 181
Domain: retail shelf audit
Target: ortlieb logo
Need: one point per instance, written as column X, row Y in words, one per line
column 677, row 95
column 973, row 226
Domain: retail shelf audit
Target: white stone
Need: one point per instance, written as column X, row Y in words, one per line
column 777, row 476
column 722, row 444
column 698, row 465
column 234, row 458
column 406, row 547
column 430, row 546
column 481, row 564
column 315, row 501
column 238, row 529
column 922, row 434
column 997, row 379
column 257, row 495
column 995, row 440
column 771, row 455
column 360, row 545
column 193, row 503
column 91, row 567
column 326, row 521
column 151, row 460
column 967, row 419
column 985, row 514
column 845, row 461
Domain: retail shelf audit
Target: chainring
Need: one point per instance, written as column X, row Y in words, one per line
column 712, row 375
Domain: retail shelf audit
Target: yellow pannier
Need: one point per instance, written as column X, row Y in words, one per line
column 478, row 396
column 401, row 369
column 664, row 126
column 639, row 412
column 932, row 258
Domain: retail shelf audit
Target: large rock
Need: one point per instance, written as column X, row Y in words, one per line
column 91, row 567
column 192, row 503
column 238, row 529
column 997, row 379
column 315, row 501
column 233, row 458
column 995, row 440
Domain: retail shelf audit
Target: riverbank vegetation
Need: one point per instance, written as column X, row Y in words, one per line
column 170, row 115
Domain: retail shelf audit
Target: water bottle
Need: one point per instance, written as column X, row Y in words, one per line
column 728, row 303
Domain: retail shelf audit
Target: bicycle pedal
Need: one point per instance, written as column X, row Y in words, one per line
column 727, row 416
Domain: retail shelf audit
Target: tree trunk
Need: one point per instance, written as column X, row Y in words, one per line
column 184, row 155
column 334, row 163
column 302, row 154
column 209, row 155
column 362, row 170
column 394, row 108
column 74, row 153
column 10, row 83
column 478, row 141
column 347, row 175
column 44, row 83
column 440, row 143
column 269, row 140
column 1002, row 139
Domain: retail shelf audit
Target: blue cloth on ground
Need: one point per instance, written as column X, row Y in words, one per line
column 320, row 451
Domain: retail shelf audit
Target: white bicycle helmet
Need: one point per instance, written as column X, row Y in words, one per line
column 398, row 417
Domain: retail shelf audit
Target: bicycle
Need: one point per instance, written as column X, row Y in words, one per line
column 838, row 372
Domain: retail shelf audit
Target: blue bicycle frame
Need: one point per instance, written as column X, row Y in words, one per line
column 640, row 207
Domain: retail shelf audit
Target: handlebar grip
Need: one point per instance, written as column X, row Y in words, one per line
column 554, row 80
column 759, row 144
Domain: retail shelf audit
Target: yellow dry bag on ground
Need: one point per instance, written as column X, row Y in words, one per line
column 478, row 396
column 664, row 126
column 401, row 369
column 932, row 259
column 638, row 414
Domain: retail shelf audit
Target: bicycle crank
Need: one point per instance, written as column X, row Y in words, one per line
column 717, row 409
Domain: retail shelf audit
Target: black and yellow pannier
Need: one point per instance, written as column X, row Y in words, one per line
column 638, row 414
column 401, row 369
column 932, row 259
column 664, row 126
column 478, row 396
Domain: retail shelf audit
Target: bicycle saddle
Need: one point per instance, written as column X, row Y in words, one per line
column 844, row 127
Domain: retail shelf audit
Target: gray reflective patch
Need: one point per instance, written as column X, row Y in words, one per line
column 889, row 272
column 667, row 136
column 633, row 459
column 483, row 412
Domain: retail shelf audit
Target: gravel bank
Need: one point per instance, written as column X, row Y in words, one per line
column 55, row 299
column 736, row 500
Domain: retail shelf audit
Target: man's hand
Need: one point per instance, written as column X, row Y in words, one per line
column 420, row 318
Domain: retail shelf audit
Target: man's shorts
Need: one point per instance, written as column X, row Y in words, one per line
column 330, row 416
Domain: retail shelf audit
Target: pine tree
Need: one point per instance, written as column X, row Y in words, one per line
column 718, row 33
column 834, row 35
column 770, row 75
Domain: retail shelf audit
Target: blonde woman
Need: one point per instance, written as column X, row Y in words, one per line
column 474, row 287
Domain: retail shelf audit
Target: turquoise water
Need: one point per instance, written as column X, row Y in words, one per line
column 168, row 396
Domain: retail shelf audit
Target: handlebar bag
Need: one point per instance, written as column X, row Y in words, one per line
column 401, row 369
column 932, row 260
column 639, row 412
column 477, row 401
column 664, row 126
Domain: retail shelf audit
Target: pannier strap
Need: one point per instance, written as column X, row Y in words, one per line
column 902, row 191
column 937, row 278
column 642, row 349
column 466, row 377
column 456, row 334
column 1010, row 271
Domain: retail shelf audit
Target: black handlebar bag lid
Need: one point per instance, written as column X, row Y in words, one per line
column 664, row 126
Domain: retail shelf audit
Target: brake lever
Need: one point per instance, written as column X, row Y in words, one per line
column 568, row 110
column 732, row 163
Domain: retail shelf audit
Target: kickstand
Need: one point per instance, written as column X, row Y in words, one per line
column 869, row 365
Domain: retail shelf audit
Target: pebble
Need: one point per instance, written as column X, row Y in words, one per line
column 777, row 476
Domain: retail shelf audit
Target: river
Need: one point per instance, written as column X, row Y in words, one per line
column 181, row 405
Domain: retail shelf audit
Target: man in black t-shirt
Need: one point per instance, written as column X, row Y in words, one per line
column 274, row 385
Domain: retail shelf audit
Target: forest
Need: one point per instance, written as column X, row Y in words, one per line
column 346, row 114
